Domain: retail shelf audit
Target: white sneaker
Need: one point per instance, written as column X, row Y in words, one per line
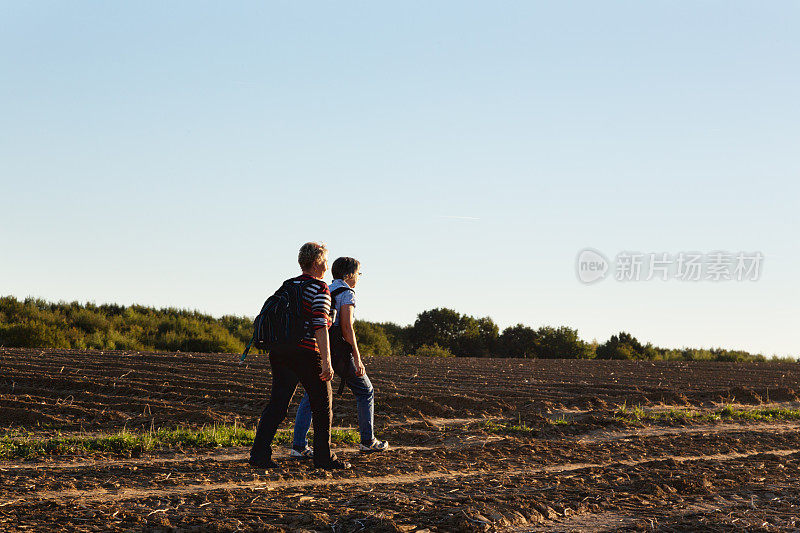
column 376, row 446
column 305, row 453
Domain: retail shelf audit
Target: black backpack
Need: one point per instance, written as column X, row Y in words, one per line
column 335, row 332
column 336, row 337
column 280, row 321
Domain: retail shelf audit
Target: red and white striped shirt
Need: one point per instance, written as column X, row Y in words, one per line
column 315, row 308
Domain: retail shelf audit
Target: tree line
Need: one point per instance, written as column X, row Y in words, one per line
column 441, row 332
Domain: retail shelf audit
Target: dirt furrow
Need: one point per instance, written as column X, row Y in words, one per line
column 637, row 517
column 122, row 494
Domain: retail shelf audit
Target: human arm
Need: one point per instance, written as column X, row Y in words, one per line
column 324, row 353
column 320, row 321
column 349, row 334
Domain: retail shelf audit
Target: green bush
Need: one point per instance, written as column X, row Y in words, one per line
column 372, row 339
column 399, row 337
column 561, row 342
column 90, row 321
column 35, row 323
column 621, row 346
column 33, row 335
column 518, row 341
column 462, row 335
column 433, row 350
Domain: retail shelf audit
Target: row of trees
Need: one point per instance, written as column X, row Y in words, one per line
column 447, row 333
column 438, row 332
column 35, row 323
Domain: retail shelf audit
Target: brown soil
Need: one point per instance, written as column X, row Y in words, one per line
column 444, row 471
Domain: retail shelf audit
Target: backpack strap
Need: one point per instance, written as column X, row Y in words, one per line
column 334, row 294
column 341, row 386
column 337, row 292
column 247, row 350
column 298, row 296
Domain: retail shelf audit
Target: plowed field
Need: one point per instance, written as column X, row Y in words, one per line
column 476, row 445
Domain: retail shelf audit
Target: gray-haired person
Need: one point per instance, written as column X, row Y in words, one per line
column 347, row 363
column 308, row 362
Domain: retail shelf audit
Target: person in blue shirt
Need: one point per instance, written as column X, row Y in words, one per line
column 347, row 362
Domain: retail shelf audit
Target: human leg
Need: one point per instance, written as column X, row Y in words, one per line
column 302, row 422
column 320, row 399
column 284, row 383
column 365, row 401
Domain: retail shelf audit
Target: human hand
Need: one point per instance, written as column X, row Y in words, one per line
column 360, row 370
column 327, row 370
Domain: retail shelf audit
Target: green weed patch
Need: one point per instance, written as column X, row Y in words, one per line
column 637, row 414
column 24, row 446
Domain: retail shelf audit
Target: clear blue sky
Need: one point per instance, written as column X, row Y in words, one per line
column 178, row 154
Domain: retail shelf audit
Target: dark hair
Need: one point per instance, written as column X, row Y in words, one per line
column 344, row 266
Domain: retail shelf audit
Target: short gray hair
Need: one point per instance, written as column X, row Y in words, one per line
column 311, row 254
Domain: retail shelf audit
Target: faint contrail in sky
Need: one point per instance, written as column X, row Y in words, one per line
column 458, row 217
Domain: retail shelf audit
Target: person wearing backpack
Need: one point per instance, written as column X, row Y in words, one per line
column 347, row 364
column 307, row 361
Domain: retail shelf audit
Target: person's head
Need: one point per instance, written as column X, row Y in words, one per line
column 313, row 259
column 346, row 269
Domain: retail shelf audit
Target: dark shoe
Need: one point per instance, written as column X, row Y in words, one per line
column 334, row 464
column 265, row 463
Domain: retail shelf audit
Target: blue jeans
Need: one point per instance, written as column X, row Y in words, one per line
column 365, row 399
